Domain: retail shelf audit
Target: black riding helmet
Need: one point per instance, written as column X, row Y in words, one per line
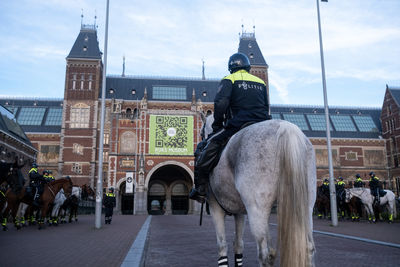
column 358, row 175
column 238, row 61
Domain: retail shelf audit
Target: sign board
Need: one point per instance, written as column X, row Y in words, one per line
column 171, row 135
column 129, row 183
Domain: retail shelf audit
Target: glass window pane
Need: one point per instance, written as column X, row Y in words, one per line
column 297, row 119
column 54, row 117
column 13, row 110
column 317, row 122
column 169, row 93
column 276, row 116
column 365, row 124
column 343, row 123
column 31, row 116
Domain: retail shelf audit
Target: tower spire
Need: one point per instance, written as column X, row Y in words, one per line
column 81, row 17
column 95, row 17
column 203, row 77
column 123, row 66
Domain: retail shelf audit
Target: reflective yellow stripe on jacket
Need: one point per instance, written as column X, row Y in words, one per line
column 242, row 75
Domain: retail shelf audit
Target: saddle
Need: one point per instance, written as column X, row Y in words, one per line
column 382, row 193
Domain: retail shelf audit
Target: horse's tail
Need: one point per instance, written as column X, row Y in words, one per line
column 394, row 208
column 294, row 233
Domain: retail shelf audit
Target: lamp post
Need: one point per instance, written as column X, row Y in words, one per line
column 99, row 187
column 328, row 132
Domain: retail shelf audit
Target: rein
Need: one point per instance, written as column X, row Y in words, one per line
column 52, row 192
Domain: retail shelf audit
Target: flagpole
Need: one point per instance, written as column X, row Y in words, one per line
column 99, row 188
column 332, row 190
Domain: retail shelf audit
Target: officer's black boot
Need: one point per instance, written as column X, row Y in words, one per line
column 36, row 199
column 204, row 164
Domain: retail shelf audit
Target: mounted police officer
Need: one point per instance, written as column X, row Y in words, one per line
column 325, row 187
column 375, row 186
column 241, row 99
column 109, row 204
column 358, row 182
column 50, row 177
column 340, row 185
column 36, row 183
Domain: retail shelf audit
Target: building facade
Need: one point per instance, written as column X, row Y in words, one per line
column 152, row 126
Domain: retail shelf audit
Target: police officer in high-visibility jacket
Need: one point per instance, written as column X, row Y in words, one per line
column 36, row 183
column 241, row 98
column 50, row 177
column 109, row 204
column 358, row 182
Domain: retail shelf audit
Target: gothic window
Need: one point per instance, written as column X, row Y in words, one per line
column 90, row 81
column 105, row 156
column 77, row 168
column 77, row 149
column 106, row 138
column 74, row 81
column 128, row 143
column 82, row 80
column 80, row 114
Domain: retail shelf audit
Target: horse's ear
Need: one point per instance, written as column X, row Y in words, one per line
column 203, row 117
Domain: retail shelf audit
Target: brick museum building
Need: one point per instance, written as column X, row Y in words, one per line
column 152, row 126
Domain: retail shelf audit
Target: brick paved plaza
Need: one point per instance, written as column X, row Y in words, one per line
column 171, row 243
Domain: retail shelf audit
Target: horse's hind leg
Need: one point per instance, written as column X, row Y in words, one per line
column 218, row 216
column 238, row 243
column 258, row 221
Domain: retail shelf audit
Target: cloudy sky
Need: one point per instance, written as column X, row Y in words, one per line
column 171, row 37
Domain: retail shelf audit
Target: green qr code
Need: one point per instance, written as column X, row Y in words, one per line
column 171, row 132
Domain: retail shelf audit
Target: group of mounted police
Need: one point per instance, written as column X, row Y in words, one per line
column 13, row 181
column 374, row 184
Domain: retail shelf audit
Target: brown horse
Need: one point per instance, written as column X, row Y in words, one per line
column 355, row 206
column 47, row 197
column 322, row 204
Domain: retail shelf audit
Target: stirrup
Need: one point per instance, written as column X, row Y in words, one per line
column 196, row 195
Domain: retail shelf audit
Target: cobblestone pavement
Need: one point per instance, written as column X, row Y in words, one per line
column 180, row 241
column 73, row 244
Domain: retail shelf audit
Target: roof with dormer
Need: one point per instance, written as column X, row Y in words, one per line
column 10, row 127
column 395, row 92
column 45, row 116
column 86, row 45
column 248, row 45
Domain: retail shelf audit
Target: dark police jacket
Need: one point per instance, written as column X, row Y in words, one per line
column 109, row 200
column 241, row 98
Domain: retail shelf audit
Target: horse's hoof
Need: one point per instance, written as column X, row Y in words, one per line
column 5, row 228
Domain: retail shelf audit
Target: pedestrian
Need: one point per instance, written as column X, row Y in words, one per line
column 241, row 99
column 109, row 204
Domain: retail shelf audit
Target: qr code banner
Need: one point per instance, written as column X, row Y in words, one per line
column 171, row 135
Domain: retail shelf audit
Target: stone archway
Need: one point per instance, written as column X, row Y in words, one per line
column 168, row 188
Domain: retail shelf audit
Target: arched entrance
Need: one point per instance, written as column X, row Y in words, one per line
column 169, row 185
column 127, row 200
column 180, row 198
column 156, row 199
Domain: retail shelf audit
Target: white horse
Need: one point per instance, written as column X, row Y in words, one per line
column 58, row 201
column 264, row 162
column 72, row 204
column 367, row 199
